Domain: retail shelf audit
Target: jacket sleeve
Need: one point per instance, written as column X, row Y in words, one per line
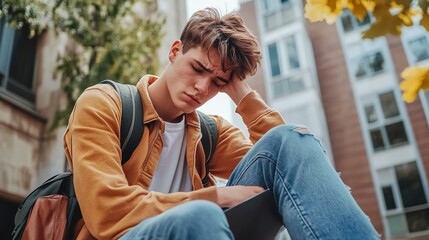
column 232, row 143
column 110, row 205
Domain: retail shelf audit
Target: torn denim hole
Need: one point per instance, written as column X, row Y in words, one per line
column 348, row 188
column 303, row 130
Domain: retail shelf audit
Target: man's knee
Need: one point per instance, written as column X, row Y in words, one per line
column 287, row 132
column 291, row 128
column 292, row 137
column 201, row 211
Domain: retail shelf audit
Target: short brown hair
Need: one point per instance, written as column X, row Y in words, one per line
column 237, row 46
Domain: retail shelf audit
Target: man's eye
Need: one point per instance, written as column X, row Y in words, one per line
column 197, row 69
column 218, row 83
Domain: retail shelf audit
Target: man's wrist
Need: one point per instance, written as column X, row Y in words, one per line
column 238, row 95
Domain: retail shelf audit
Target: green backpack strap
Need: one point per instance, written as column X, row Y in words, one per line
column 132, row 117
column 209, row 139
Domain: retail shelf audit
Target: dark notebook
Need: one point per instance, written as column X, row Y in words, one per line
column 256, row 218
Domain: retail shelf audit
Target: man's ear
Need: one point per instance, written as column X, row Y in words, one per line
column 175, row 49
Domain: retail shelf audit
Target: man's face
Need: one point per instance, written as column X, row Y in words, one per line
column 194, row 77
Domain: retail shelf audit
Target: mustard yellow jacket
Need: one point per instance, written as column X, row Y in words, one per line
column 114, row 198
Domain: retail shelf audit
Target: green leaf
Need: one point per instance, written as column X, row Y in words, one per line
column 123, row 52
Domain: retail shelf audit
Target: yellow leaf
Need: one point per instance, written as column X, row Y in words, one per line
column 425, row 21
column 414, row 72
column 385, row 23
column 415, row 78
column 315, row 12
column 319, row 11
column 369, row 5
column 332, row 4
column 358, row 9
column 330, row 19
column 406, row 19
column 425, row 83
column 410, row 88
column 405, row 3
column 415, row 11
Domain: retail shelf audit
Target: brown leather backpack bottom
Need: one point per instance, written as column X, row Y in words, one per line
column 47, row 219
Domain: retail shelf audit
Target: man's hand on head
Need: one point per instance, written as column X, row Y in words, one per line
column 236, row 89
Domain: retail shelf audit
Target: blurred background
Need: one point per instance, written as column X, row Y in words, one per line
column 327, row 77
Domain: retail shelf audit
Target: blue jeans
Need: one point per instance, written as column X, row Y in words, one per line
column 312, row 200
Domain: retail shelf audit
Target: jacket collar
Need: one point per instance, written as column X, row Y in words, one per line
column 150, row 113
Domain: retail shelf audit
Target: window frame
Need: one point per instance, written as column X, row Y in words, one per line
column 409, row 52
column 282, row 13
column 355, row 23
column 382, row 122
column 292, row 80
column 388, row 177
column 21, row 89
column 357, row 60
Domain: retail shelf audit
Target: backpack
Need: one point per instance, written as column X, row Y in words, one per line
column 57, row 193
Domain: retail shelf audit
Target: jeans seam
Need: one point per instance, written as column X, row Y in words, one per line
column 301, row 213
column 238, row 178
column 270, row 158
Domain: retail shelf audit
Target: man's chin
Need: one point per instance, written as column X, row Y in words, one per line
column 189, row 111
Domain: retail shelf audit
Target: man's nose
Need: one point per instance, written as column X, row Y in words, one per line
column 202, row 85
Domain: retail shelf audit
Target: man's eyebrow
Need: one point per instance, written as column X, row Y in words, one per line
column 210, row 71
column 203, row 67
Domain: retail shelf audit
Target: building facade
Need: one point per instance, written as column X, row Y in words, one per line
column 347, row 90
column 30, row 93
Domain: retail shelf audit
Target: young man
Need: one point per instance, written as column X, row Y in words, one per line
column 159, row 194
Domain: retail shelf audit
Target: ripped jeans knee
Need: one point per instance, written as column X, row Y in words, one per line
column 286, row 132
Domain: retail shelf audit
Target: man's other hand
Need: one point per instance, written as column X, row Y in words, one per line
column 233, row 195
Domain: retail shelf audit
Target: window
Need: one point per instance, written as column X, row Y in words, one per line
column 389, row 199
column 404, row 199
column 285, row 67
column 368, row 65
column 274, row 59
column 17, row 58
column 371, row 116
column 388, row 105
column 410, row 185
column 419, row 49
column 351, row 23
column 276, row 13
column 386, row 128
column 293, row 58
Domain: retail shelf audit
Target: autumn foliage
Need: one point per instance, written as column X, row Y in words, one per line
column 390, row 16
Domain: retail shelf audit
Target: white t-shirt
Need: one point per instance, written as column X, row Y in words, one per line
column 172, row 174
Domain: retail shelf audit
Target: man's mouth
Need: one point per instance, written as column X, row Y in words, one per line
column 193, row 98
